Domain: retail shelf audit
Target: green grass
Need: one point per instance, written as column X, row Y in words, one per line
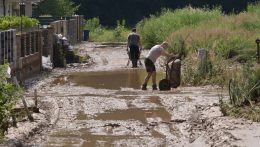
column 155, row 29
column 228, row 38
column 99, row 33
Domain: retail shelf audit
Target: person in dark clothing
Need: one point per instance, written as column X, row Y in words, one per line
column 134, row 44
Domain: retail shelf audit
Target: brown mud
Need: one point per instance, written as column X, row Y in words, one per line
column 102, row 105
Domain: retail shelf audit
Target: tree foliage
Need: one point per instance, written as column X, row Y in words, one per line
column 58, row 8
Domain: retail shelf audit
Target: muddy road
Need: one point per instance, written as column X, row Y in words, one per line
column 102, row 105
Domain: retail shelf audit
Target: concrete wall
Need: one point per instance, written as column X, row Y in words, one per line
column 48, row 41
column 72, row 29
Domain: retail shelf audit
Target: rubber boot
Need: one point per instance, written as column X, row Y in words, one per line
column 154, row 87
column 144, row 87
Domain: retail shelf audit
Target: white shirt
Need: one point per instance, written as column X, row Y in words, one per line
column 155, row 52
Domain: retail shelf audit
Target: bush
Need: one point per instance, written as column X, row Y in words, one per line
column 12, row 22
column 102, row 34
column 8, row 97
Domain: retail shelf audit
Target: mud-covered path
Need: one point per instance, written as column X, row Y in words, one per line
column 83, row 112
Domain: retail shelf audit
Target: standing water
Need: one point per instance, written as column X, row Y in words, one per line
column 107, row 79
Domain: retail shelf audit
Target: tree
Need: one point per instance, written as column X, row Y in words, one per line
column 58, row 8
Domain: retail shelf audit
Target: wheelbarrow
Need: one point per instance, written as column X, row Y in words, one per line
column 173, row 75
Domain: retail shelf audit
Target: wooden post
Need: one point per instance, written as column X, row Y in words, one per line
column 35, row 98
column 258, row 50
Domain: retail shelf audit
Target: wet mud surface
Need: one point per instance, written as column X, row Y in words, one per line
column 102, row 105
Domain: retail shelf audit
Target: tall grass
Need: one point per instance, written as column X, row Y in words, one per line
column 99, row 33
column 254, row 7
column 244, row 94
column 155, row 29
column 187, row 30
column 242, row 87
column 228, row 36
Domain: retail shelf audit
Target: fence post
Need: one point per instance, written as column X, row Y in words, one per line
column 258, row 50
column 1, row 58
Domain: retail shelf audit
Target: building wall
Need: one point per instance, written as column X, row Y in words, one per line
column 12, row 8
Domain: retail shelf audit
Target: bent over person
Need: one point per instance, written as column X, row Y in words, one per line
column 134, row 43
column 154, row 53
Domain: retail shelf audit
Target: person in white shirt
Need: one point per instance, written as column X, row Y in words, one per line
column 154, row 53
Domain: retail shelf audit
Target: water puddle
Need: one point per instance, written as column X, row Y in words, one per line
column 106, row 79
column 140, row 114
column 86, row 138
column 155, row 99
column 110, row 133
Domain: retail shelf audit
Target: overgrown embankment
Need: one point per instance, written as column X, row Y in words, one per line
column 230, row 43
column 228, row 38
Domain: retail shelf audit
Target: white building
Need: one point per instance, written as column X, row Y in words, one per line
column 12, row 7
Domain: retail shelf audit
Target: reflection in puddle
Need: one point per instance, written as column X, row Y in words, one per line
column 106, row 79
column 130, row 114
column 136, row 114
column 86, row 138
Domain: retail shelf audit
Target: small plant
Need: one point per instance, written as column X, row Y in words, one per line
column 242, row 87
column 102, row 34
column 244, row 95
column 8, row 97
column 92, row 24
column 119, row 30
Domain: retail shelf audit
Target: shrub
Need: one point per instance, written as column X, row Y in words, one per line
column 8, row 97
column 12, row 22
column 102, row 34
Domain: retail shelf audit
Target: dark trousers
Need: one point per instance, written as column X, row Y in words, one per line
column 134, row 54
